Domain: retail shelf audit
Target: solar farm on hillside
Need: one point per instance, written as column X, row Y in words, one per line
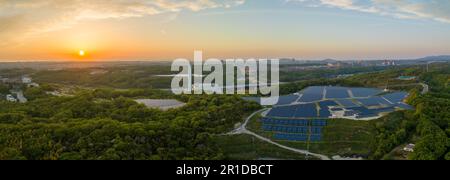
column 302, row 116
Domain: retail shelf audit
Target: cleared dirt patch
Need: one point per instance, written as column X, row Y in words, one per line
column 163, row 104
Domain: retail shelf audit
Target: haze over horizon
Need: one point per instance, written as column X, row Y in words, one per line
column 82, row 30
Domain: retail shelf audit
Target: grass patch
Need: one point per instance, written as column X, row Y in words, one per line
column 246, row 147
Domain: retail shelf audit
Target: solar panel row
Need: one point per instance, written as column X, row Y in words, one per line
column 396, row 97
column 294, row 111
column 319, row 123
column 328, row 103
column 347, row 103
column 285, row 122
column 286, row 129
column 283, row 111
column 316, row 130
column 374, row 101
column 324, row 108
column 315, row 122
column 365, row 92
column 285, row 100
column 313, row 93
column 291, row 137
column 337, row 93
column 363, row 112
column 306, row 111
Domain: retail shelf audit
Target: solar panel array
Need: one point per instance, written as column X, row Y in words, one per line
column 286, row 100
column 347, row 103
column 359, row 102
column 306, row 111
column 285, row 122
column 324, row 108
column 286, row 129
column 312, row 94
column 397, row 97
column 374, row 101
column 282, row 111
column 318, row 93
column 294, row 111
column 365, row 92
column 337, row 93
column 319, row 123
column 295, row 130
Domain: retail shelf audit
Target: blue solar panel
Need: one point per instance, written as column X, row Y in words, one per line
column 319, row 123
column 396, row 97
column 324, row 108
column 365, row 92
column 347, row 103
column 382, row 101
column 303, row 122
column 337, row 93
column 283, row 111
column 306, row 130
column 298, row 130
column 316, row 130
column 374, row 101
column 285, row 100
column 313, row 93
column 306, row 111
column 369, row 102
column 363, row 112
column 328, row 103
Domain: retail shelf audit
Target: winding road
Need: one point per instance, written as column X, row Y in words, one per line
column 243, row 130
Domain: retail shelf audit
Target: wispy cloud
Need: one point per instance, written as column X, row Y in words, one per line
column 437, row 10
column 21, row 19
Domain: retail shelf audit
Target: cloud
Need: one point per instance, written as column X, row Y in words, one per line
column 437, row 10
column 20, row 19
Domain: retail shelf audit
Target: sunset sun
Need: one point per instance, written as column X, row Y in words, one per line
column 81, row 53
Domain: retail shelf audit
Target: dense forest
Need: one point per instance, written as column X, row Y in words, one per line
column 108, row 124
column 427, row 126
column 110, row 77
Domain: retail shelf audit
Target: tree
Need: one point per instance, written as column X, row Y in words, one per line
column 433, row 144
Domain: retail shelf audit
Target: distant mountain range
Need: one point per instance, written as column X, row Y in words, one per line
column 435, row 58
column 428, row 58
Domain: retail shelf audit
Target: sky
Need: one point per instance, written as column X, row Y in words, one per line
column 34, row 30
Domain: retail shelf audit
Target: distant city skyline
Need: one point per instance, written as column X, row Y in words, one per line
column 87, row 30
